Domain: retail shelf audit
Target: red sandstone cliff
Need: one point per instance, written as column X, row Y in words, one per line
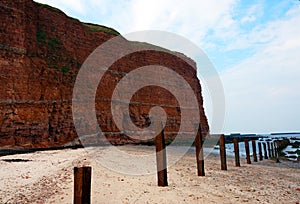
column 41, row 52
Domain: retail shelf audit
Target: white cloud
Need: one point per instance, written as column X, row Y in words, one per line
column 252, row 14
column 192, row 19
column 262, row 91
column 247, row 19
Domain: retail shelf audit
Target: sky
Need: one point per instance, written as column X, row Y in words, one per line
column 254, row 46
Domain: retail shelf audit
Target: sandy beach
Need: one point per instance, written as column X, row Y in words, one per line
column 47, row 177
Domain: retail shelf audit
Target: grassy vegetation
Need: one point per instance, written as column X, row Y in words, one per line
column 41, row 36
column 157, row 48
column 55, row 49
column 99, row 28
column 150, row 46
column 90, row 26
column 53, row 43
column 48, row 7
column 65, row 69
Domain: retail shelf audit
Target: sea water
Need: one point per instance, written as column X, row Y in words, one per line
column 291, row 151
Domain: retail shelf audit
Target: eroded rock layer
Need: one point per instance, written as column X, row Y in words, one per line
column 41, row 52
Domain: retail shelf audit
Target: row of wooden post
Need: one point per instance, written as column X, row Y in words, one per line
column 269, row 151
column 82, row 176
column 161, row 160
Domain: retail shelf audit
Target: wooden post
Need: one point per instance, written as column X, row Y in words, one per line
column 260, row 151
column 161, row 159
column 222, row 152
column 254, row 150
column 247, row 151
column 199, row 152
column 236, row 152
column 272, row 149
column 82, row 185
column 276, row 151
column 265, row 150
column 269, row 150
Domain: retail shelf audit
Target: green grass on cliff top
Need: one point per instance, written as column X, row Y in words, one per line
column 100, row 28
column 48, row 7
column 92, row 27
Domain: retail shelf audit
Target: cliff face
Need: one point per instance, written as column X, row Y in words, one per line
column 41, row 52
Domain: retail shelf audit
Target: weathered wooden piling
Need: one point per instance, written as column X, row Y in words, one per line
column 199, row 151
column 223, row 152
column 254, row 150
column 269, row 150
column 260, row 151
column 272, row 149
column 82, row 185
column 236, row 152
column 161, row 159
column 247, row 151
column 276, row 151
column 265, row 150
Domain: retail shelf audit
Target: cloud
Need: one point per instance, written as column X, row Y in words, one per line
column 252, row 14
column 262, row 91
column 191, row 19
